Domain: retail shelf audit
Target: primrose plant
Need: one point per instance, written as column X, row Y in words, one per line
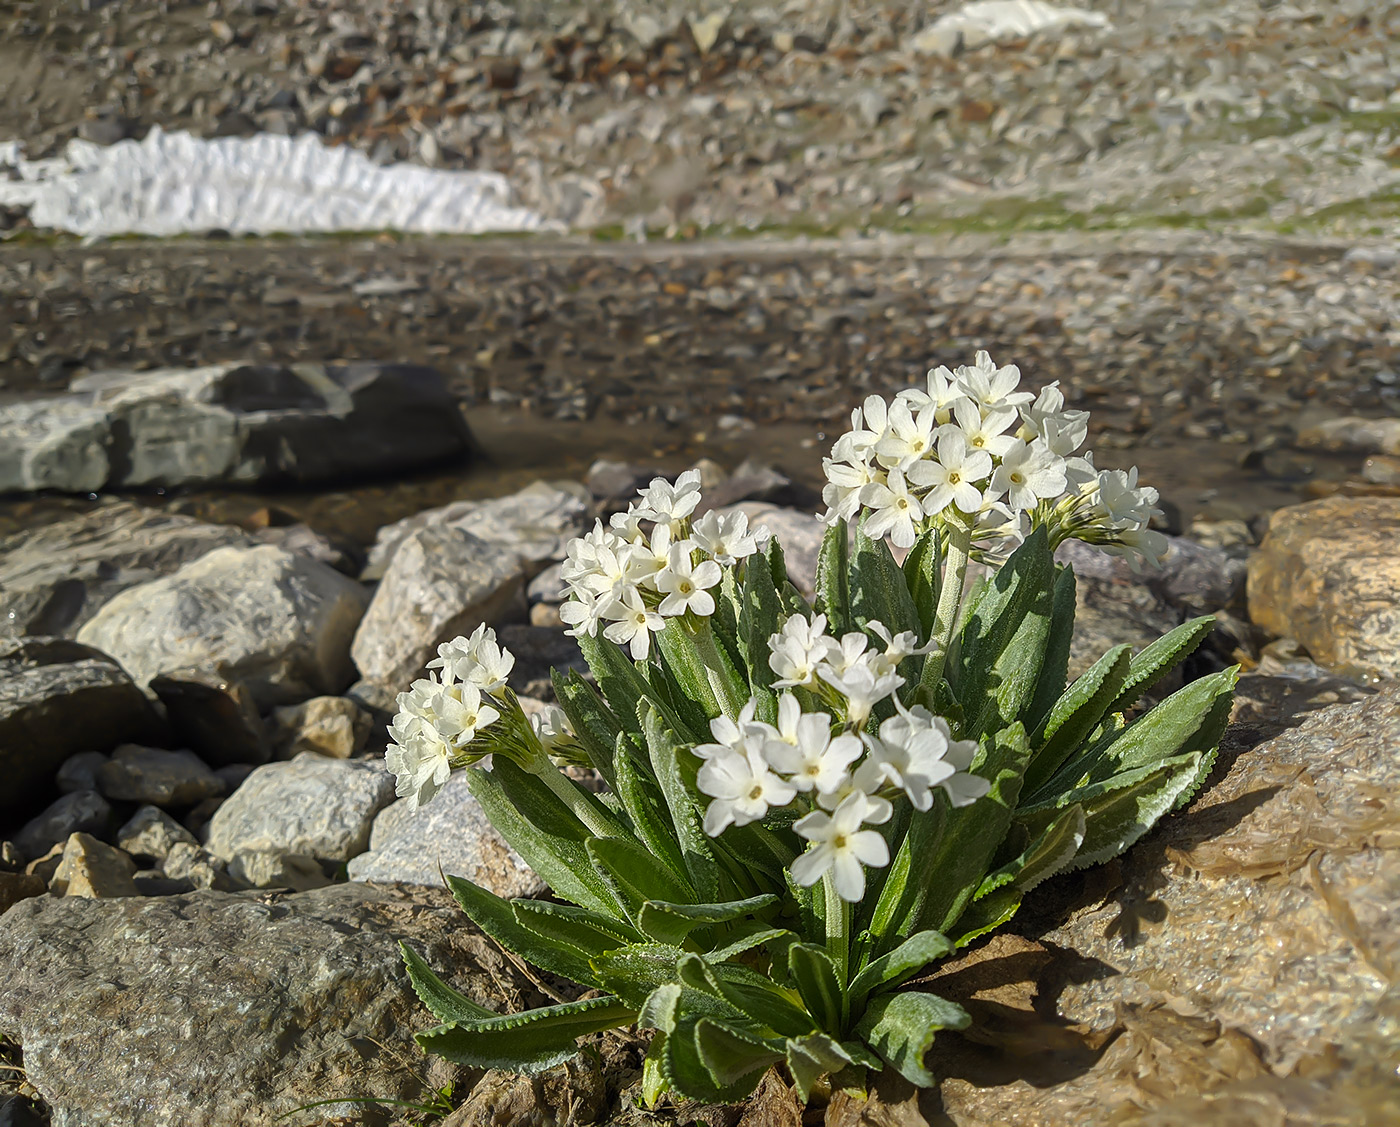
column 807, row 804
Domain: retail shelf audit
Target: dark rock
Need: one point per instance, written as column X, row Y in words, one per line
column 161, row 778
column 58, row 698
column 15, row 887
column 214, row 715
column 537, row 650
column 80, row 772
column 83, row 811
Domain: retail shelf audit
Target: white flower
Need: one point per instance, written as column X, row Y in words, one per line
column 550, row 726
column 685, row 585
column 664, row 502
column 914, row 752
column 840, row 846
column 992, row 386
column 643, row 559
column 1027, row 473
column 795, row 652
column 845, row 483
column 848, row 652
column 628, row 525
column 741, row 786
column 942, row 395
column 954, row 476
column 1138, row 545
column 732, row 734
column 632, row 623
column 897, row 648
column 1122, row 500
column 459, row 713
column 984, row 430
column 862, row 687
column 895, row 511
column 907, row 438
column 479, row 659
column 725, row 538
column 816, row 761
column 582, row 613
column 420, row 760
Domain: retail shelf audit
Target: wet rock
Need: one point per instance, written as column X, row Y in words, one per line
column 279, row 622
column 15, row 887
column 79, row 772
column 451, row 832
column 443, row 582
column 799, row 533
column 235, row 423
column 150, row 834
column 320, row 807
column 1236, row 959
column 213, row 715
column 295, row 998
column 333, row 726
column 1328, row 574
column 1353, row 435
column 54, row 578
column 162, row 778
column 93, row 869
column 58, row 698
column 535, row 523
column 278, row 870
column 83, row 811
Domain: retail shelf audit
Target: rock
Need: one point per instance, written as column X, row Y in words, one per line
column 278, row 870
column 574, row 1092
column 214, row 715
column 81, row 811
column 799, row 533
column 1353, row 435
column 442, row 582
column 1328, row 574
column 79, row 772
column 345, row 558
column 536, row 523
column 54, row 578
column 872, row 104
column 1381, row 470
column 197, row 818
column 235, row 774
column 614, row 485
column 92, row 869
column 291, row 999
column 705, row 30
column 15, row 887
column 548, row 586
column 451, row 832
column 150, row 834
column 279, row 622
column 59, row 698
column 1233, row 967
column 1193, row 578
column 334, row 726
column 937, row 39
column 537, row 650
column 161, row 778
column 321, row 807
column 230, row 423
column 189, row 863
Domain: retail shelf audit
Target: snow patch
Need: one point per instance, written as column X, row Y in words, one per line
column 990, row 21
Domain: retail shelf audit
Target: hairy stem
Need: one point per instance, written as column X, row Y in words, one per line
column 579, row 803
column 838, row 929
column 958, row 542
column 716, row 670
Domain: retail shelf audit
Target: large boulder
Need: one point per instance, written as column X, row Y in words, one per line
column 312, row 806
column 280, row 622
column 54, row 578
column 1238, row 965
column 213, row 1009
column 58, row 698
column 1328, row 575
column 230, row 423
column 449, row 835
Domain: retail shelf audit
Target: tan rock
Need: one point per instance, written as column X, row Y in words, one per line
column 44, row 867
column 1354, row 434
column 1328, row 574
column 93, row 869
column 15, row 887
column 334, row 726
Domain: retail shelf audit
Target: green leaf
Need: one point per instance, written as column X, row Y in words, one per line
column 899, row 965
column 646, row 808
column 923, row 575
column 988, row 914
column 528, row 1042
column 758, row 621
column 833, row 597
column 668, row 922
column 1116, row 818
column 1075, row 716
column 496, row 917
column 545, row 832
column 693, row 682
column 1047, row 855
column 1054, row 667
column 753, row 996
column 685, row 1069
column 777, row 939
column 676, row 769
column 633, row 972
column 901, row 1027
column 593, row 722
column 814, row 975
column 634, row 874
column 1160, row 658
column 445, row 1003
column 1004, row 638
column 693, row 705
column 586, row 932
column 659, row 1010
column 811, row 1057
column 730, row 1055
column 877, row 589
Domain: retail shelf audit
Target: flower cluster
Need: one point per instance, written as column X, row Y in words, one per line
column 464, row 694
column 825, row 760
column 973, row 452
column 652, row 564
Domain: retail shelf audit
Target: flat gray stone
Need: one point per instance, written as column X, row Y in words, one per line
column 58, row 698
column 214, row 1009
column 313, row 805
column 162, row 778
column 279, row 622
column 451, row 831
column 230, row 423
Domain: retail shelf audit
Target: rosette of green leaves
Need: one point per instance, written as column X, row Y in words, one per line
column 706, row 941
